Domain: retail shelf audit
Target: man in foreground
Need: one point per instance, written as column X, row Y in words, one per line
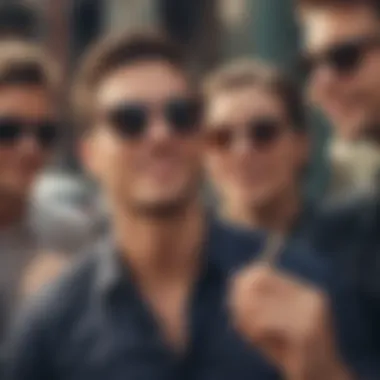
column 149, row 303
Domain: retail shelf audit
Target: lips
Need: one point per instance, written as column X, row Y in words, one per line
column 249, row 176
column 161, row 168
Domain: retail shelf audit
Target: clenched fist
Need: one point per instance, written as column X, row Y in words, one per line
column 288, row 320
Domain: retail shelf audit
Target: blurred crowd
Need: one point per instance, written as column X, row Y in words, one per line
column 186, row 244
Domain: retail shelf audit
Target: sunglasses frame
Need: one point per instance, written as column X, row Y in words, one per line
column 148, row 111
column 28, row 128
column 249, row 127
column 362, row 45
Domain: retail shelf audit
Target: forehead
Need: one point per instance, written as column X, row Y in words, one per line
column 23, row 100
column 145, row 81
column 326, row 26
column 239, row 104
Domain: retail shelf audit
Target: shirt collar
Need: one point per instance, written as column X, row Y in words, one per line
column 233, row 246
column 111, row 271
column 217, row 254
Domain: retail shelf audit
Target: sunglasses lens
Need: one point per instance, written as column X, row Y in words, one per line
column 264, row 132
column 129, row 120
column 219, row 138
column 47, row 134
column 345, row 58
column 183, row 115
column 10, row 131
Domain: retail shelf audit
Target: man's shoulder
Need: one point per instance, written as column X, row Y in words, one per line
column 345, row 218
column 348, row 206
column 65, row 297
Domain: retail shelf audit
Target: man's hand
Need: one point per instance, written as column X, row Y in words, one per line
column 289, row 321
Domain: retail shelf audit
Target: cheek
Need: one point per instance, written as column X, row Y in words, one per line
column 313, row 92
column 370, row 67
column 7, row 157
column 283, row 160
column 368, row 80
column 192, row 150
column 15, row 160
column 217, row 166
column 106, row 160
column 116, row 166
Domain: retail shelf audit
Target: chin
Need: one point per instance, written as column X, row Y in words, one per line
column 165, row 201
column 258, row 198
column 165, row 206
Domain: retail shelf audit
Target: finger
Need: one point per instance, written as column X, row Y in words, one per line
column 272, row 250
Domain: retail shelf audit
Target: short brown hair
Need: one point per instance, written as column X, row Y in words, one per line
column 23, row 63
column 373, row 4
column 113, row 52
column 249, row 72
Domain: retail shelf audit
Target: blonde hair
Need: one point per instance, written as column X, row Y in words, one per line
column 250, row 72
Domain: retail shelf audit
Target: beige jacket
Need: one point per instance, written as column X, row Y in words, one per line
column 355, row 167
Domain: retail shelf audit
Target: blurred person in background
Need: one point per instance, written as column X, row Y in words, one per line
column 74, row 199
column 354, row 167
column 341, row 64
column 149, row 302
column 29, row 131
column 342, row 50
column 258, row 147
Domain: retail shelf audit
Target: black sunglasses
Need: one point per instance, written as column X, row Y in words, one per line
column 260, row 133
column 343, row 58
column 131, row 120
column 13, row 129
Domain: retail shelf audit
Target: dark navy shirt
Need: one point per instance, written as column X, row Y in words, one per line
column 93, row 325
column 348, row 232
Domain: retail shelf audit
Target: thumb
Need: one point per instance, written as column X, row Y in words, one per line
column 272, row 250
column 264, row 264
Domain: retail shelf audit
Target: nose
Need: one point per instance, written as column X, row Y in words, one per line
column 29, row 145
column 241, row 146
column 322, row 81
column 159, row 130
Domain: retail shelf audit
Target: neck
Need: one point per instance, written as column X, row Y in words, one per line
column 12, row 210
column 279, row 215
column 159, row 249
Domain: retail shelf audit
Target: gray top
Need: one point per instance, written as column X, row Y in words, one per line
column 43, row 230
